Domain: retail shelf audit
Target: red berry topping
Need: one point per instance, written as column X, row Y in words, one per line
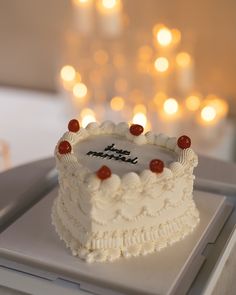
column 73, row 125
column 136, row 129
column 64, row 147
column 104, row 172
column 156, row 165
column 184, row 142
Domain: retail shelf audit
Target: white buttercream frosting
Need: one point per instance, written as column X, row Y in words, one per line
column 133, row 212
column 161, row 139
column 111, row 184
column 150, row 137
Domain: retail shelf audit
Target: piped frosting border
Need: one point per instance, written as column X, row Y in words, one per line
column 186, row 157
column 151, row 241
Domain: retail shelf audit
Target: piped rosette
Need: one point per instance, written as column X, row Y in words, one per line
column 186, row 157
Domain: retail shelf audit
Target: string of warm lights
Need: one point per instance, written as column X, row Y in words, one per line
column 159, row 62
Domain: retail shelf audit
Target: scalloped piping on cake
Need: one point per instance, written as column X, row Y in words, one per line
column 120, row 206
column 147, row 242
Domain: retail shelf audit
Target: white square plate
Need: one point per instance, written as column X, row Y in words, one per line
column 31, row 241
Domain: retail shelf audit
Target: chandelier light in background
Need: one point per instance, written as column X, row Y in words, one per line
column 158, row 100
column 183, row 59
column 68, row 73
column 161, row 64
column 162, row 71
column 211, row 117
column 80, row 91
column 140, row 118
column 81, row 2
column 110, row 17
column 165, row 43
column 213, row 110
column 208, row 124
column 176, row 36
column 184, row 72
column 171, row 106
column 140, row 108
column 193, row 102
column 109, row 4
column 118, row 109
column 208, row 114
column 135, row 86
column 117, row 103
column 169, row 116
column 87, row 116
column 166, row 39
column 163, row 35
column 220, row 105
column 83, row 16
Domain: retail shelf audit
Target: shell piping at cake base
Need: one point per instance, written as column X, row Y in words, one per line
column 179, row 229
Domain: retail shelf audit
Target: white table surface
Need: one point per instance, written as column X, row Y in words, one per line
column 31, row 123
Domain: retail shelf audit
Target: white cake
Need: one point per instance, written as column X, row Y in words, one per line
column 124, row 209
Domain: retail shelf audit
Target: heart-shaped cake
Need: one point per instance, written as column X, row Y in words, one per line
column 122, row 192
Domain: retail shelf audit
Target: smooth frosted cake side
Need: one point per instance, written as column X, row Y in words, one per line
column 133, row 210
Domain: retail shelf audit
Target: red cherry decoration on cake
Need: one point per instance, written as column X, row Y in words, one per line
column 136, row 129
column 74, row 125
column 64, row 147
column 104, row 172
column 156, row 165
column 184, row 142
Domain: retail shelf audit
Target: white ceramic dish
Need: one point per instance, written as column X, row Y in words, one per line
column 31, row 245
